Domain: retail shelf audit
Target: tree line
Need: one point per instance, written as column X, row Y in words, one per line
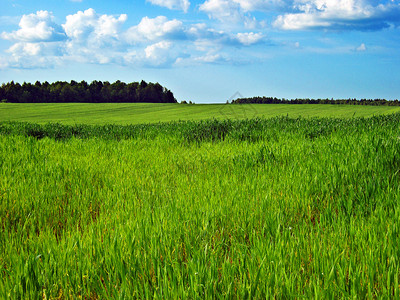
column 95, row 92
column 274, row 100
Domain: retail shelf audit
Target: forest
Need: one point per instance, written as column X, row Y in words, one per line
column 350, row 101
column 95, row 92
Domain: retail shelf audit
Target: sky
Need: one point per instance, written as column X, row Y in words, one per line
column 206, row 51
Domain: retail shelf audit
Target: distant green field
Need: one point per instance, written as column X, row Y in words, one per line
column 137, row 113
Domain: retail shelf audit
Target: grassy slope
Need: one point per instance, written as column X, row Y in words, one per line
column 152, row 113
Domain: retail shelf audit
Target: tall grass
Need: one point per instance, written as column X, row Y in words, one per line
column 229, row 209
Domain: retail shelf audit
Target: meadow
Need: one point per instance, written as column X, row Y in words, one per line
column 254, row 208
column 141, row 113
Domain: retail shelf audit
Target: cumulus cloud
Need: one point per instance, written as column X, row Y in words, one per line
column 204, row 37
column 339, row 15
column 38, row 42
column 152, row 29
column 89, row 37
column 93, row 37
column 23, row 49
column 88, row 23
column 37, row 27
column 154, row 50
column 224, row 10
column 361, row 48
column 172, row 4
column 158, row 54
column 27, row 55
column 85, row 36
column 249, row 38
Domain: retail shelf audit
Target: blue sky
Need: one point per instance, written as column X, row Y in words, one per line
column 207, row 50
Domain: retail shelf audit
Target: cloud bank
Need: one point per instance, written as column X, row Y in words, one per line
column 309, row 14
column 89, row 37
column 231, row 26
column 340, row 15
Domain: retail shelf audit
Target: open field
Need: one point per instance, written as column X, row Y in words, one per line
column 74, row 113
column 247, row 209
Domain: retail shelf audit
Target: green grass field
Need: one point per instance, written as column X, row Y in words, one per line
column 251, row 209
column 152, row 113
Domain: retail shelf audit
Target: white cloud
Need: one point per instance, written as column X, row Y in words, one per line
column 173, row 4
column 205, row 37
column 81, row 24
column 222, row 9
column 338, row 15
column 157, row 54
column 160, row 54
column 153, row 29
column 249, row 38
column 361, row 48
column 34, row 55
column 22, row 49
column 36, row 28
column 38, row 43
column 88, row 23
column 88, row 37
column 307, row 14
column 299, row 21
column 25, row 49
column 93, row 38
column 154, row 50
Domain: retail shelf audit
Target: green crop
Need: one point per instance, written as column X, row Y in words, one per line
column 139, row 113
column 282, row 207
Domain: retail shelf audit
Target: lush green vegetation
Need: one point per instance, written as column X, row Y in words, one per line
column 95, row 92
column 138, row 113
column 284, row 207
column 349, row 101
